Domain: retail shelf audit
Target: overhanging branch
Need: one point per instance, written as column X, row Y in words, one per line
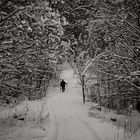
column 13, row 13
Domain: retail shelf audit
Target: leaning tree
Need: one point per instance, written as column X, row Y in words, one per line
column 30, row 34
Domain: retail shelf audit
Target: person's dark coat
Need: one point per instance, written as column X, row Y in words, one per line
column 63, row 84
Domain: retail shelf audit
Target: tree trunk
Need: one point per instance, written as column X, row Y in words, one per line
column 83, row 89
column 98, row 90
column 99, row 97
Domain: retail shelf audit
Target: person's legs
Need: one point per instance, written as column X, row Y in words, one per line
column 63, row 89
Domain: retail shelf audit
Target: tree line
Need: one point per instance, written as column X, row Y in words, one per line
column 104, row 42
column 99, row 38
column 29, row 48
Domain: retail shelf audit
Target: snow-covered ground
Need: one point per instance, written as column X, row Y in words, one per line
column 28, row 120
column 59, row 116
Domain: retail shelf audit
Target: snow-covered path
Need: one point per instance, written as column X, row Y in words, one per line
column 69, row 118
column 67, row 122
column 59, row 116
column 66, row 114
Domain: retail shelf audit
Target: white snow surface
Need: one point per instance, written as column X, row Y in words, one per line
column 59, row 116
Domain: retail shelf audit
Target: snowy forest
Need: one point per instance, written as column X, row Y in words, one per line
column 99, row 39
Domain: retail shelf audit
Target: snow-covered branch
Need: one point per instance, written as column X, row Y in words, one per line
column 90, row 62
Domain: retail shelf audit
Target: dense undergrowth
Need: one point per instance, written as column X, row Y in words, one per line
column 29, row 49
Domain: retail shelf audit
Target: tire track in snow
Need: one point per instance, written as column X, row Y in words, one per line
column 66, row 124
column 92, row 134
column 53, row 130
column 89, row 128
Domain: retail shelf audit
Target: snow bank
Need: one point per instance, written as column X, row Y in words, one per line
column 27, row 110
column 128, row 125
column 27, row 120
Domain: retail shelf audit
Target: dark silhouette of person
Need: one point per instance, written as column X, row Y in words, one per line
column 63, row 85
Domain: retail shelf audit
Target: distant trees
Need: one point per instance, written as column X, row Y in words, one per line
column 116, row 31
column 105, row 38
column 29, row 48
column 99, row 38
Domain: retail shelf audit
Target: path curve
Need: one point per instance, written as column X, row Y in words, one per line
column 66, row 119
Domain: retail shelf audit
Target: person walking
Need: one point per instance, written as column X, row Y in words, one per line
column 63, row 85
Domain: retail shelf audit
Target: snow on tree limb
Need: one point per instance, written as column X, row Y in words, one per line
column 94, row 60
column 120, row 78
column 67, row 44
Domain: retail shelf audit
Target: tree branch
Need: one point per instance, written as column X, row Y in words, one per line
column 13, row 13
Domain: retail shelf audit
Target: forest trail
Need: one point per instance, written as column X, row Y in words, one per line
column 67, row 114
column 70, row 118
column 59, row 116
column 67, row 122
